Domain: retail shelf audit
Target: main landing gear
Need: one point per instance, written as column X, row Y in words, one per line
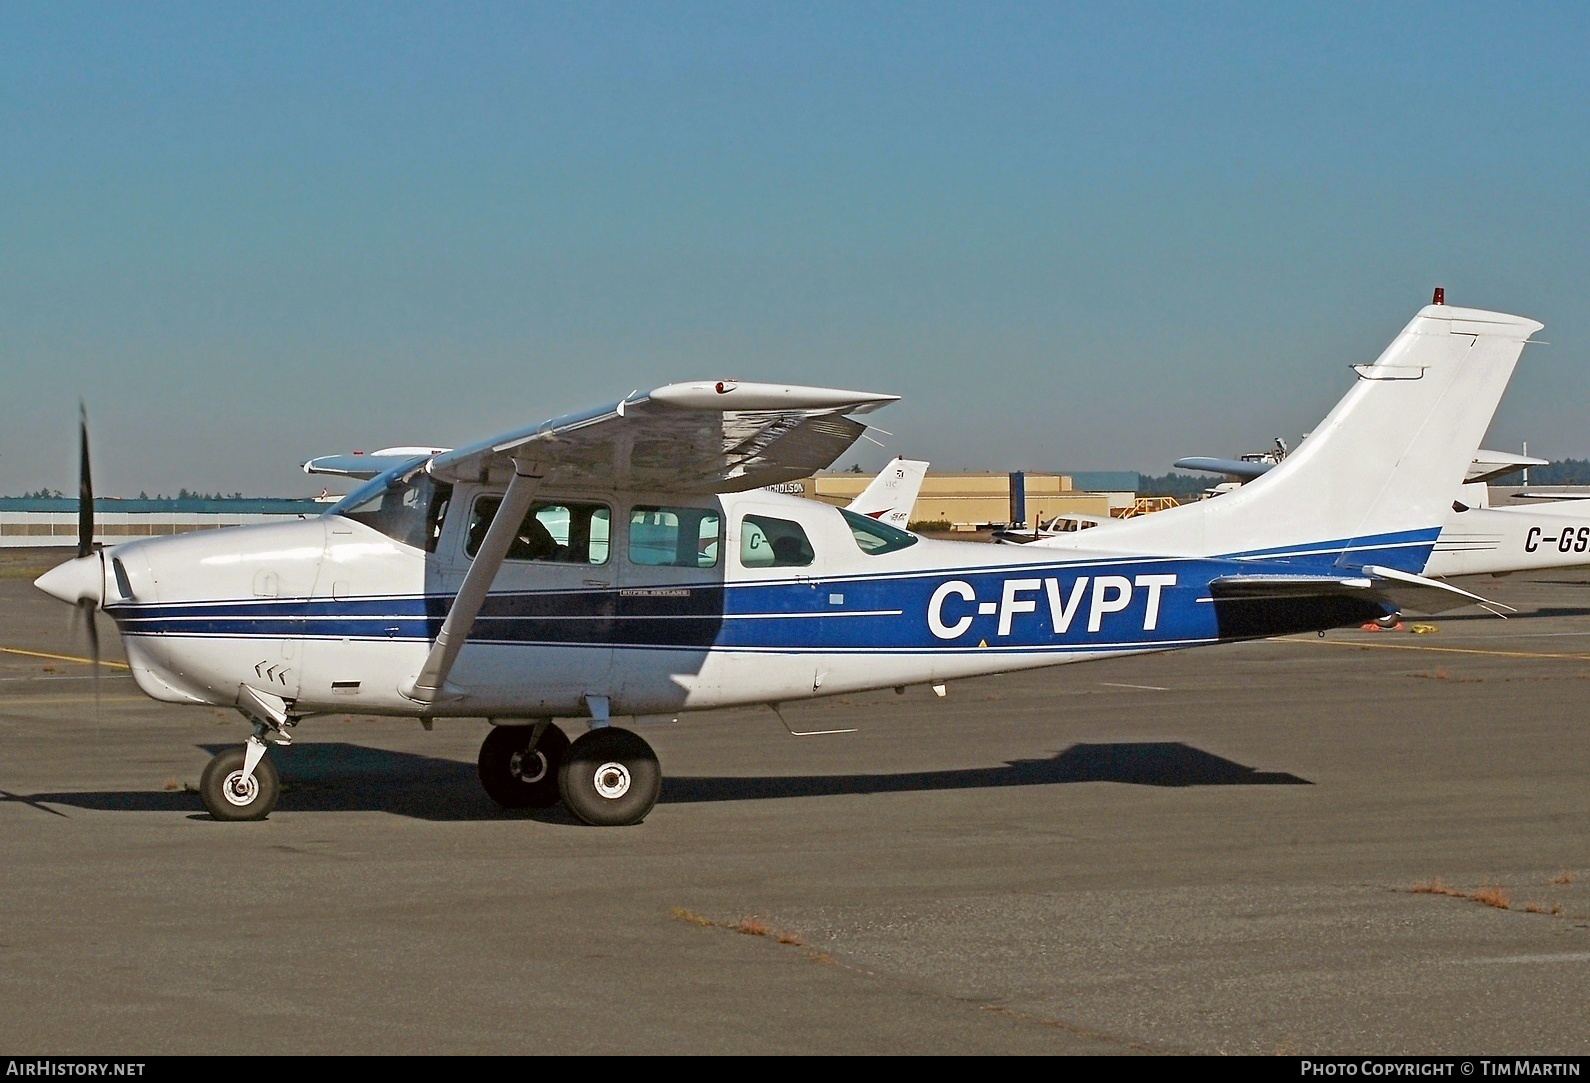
column 608, row 776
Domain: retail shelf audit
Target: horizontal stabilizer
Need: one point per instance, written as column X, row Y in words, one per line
column 1424, row 595
column 1489, row 465
column 1288, row 586
column 1404, row 590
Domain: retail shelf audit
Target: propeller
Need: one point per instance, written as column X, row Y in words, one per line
column 85, row 534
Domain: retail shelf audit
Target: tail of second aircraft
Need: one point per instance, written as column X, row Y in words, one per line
column 1372, row 484
column 891, row 495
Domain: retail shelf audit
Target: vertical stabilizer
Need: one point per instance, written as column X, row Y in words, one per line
column 1373, row 482
column 891, row 495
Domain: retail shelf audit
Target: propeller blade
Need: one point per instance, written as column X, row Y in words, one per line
column 87, row 607
column 85, row 490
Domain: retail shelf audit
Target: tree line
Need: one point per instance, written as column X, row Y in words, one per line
column 182, row 494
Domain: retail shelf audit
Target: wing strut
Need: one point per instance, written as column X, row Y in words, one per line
column 432, row 680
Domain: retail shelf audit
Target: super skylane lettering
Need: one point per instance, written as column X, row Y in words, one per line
column 1109, row 594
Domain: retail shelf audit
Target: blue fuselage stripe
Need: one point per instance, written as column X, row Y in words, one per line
column 1097, row 604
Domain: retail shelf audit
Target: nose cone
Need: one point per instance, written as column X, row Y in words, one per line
column 79, row 580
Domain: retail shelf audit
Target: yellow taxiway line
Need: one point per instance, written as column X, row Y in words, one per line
column 62, row 657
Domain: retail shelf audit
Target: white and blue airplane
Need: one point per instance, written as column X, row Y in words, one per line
column 437, row 589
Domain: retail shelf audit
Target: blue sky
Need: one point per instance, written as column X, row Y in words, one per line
column 1071, row 236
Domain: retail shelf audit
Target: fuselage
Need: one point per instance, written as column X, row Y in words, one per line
column 1496, row 541
column 654, row 602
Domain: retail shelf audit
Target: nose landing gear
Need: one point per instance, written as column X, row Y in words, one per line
column 240, row 783
column 235, row 789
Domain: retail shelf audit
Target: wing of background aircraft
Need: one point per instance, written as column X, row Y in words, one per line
column 1242, row 469
column 362, row 465
column 891, row 495
column 1486, row 466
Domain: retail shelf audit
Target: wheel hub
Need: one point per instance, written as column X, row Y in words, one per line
column 612, row 780
column 240, row 789
column 528, row 766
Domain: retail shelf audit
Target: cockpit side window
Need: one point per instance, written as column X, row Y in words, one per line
column 766, row 542
column 873, row 537
column 406, row 507
column 563, row 532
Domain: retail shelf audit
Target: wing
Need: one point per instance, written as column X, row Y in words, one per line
column 710, row 437
column 706, row 437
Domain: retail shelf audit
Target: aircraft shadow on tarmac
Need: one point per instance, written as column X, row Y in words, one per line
column 341, row 777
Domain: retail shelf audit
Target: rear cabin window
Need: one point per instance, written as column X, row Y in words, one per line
column 562, row 532
column 766, row 542
column 874, row 537
column 674, row 537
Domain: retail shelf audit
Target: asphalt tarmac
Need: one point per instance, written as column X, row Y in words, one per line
column 1367, row 843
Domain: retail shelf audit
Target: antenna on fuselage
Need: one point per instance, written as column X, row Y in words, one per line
column 793, row 732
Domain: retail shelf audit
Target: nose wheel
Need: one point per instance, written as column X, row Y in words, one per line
column 610, row 778
column 234, row 789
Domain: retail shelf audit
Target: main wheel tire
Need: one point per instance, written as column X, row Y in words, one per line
column 516, row 774
column 229, row 796
column 610, row 778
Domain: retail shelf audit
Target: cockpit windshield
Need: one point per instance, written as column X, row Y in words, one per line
column 405, row 503
column 874, row 537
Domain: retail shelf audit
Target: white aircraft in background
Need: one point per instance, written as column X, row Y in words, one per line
column 1475, row 539
column 436, row 589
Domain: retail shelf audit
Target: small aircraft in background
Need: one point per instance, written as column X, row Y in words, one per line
column 1476, row 538
column 1065, row 523
column 676, row 582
